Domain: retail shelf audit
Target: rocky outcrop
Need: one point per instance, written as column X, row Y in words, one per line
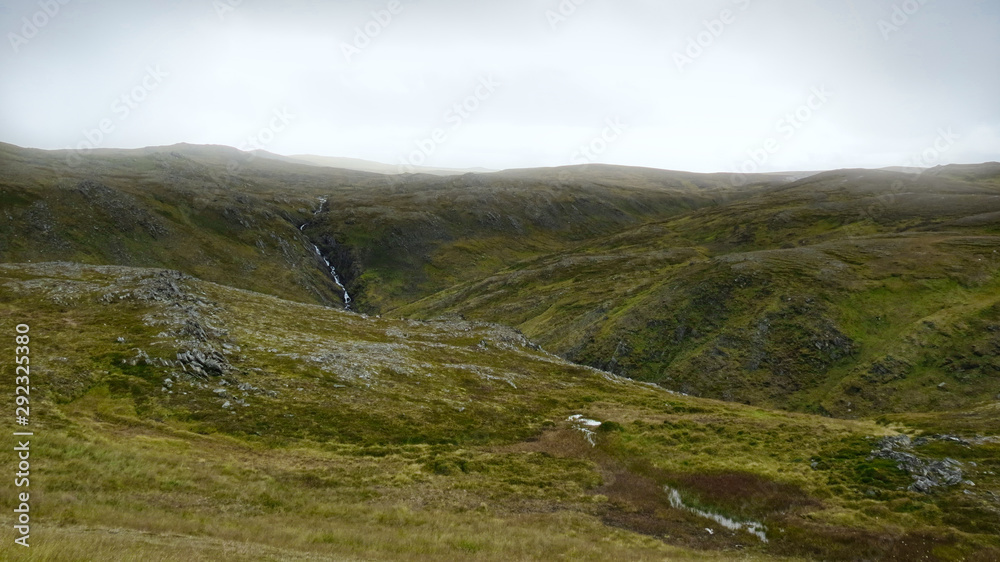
column 189, row 320
column 120, row 209
column 927, row 474
column 202, row 363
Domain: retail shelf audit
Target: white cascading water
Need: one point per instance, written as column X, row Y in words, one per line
column 333, row 270
column 336, row 278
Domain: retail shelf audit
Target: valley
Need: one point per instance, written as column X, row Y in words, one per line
column 243, row 358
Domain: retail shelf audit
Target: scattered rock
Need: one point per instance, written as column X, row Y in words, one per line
column 141, row 358
column 926, row 474
column 194, row 329
column 204, row 361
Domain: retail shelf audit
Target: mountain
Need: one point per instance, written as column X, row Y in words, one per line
column 903, row 169
column 780, row 293
column 177, row 419
column 847, row 293
column 253, row 222
column 590, row 362
column 214, row 212
column 988, row 172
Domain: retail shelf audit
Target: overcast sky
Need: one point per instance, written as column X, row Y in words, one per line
column 700, row 85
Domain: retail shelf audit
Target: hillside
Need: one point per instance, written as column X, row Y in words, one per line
column 846, row 293
column 213, row 212
column 592, row 362
column 252, row 222
column 177, row 419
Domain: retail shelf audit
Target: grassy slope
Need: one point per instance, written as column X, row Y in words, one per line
column 817, row 295
column 847, row 293
column 228, row 217
column 178, row 207
column 416, row 235
column 366, row 438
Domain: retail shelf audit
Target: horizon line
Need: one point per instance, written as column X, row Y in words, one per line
column 296, row 159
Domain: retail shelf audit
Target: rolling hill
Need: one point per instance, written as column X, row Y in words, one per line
column 177, row 419
column 847, row 293
column 591, row 363
column 232, row 217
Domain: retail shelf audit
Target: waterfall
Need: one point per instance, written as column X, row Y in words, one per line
column 336, row 277
column 333, row 270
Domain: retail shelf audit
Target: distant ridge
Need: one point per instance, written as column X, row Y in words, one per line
column 904, row 169
column 378, row 167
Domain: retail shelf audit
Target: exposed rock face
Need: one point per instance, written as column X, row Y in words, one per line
column 204, row 364
column 927, row 474
column 125, row 211
column 189, row 319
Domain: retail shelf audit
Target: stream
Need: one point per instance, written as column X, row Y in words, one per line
column 589, row 427
column 336, row 278
column 752, row 527
column 333, row 270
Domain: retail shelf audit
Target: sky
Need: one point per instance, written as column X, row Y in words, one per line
column 699, row 85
